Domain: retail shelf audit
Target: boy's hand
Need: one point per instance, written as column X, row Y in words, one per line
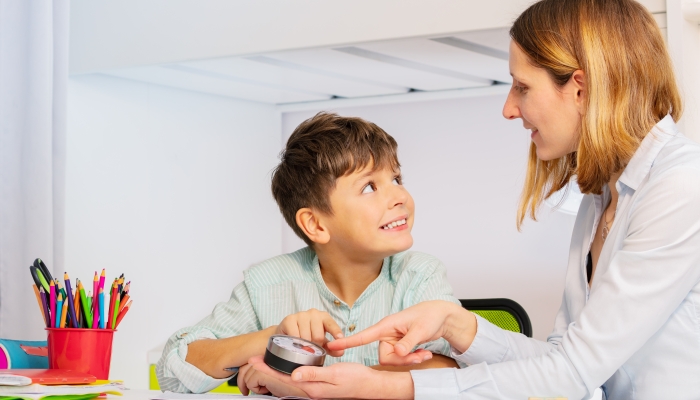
column 251, row 380
column 312, row 325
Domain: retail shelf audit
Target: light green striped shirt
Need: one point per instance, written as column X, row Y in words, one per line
column 292, row 283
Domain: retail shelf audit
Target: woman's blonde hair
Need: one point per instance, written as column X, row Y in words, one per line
column 629, row 82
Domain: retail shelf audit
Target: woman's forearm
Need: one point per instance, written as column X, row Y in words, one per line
column 438, row 361
column 212, row 356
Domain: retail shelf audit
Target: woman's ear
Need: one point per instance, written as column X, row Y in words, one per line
column 311, row 223
column 578, row 79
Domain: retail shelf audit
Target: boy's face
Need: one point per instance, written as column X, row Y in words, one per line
column 372, row 214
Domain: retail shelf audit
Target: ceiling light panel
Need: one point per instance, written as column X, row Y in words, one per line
column 363, row 68
column 498, row 38
column 313, row 79
column 182, row 78
column 439, row 55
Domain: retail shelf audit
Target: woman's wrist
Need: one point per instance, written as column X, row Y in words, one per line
column 460, row 328
column 395, row 385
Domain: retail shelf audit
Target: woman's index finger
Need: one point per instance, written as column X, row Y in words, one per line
column 369, row 335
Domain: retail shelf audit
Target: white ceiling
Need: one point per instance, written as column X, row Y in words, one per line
column 465, row 60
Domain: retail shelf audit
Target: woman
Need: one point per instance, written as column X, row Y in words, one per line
column 593, row 82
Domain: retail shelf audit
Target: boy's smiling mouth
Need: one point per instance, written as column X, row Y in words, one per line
column 394, row 224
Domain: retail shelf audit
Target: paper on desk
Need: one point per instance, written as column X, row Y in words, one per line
column 14, row 380
column 59, row 392
column 218, row 396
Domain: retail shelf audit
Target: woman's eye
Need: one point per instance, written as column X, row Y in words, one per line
column 519, row 89
column 369, row 188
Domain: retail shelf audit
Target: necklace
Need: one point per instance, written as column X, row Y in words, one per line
column 606, row 230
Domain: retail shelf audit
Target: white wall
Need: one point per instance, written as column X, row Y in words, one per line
column 171, row 188
column 464, row 164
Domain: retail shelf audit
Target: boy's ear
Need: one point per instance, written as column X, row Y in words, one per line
column 312, row 225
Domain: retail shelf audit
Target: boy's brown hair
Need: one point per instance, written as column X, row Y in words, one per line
column 322, row 149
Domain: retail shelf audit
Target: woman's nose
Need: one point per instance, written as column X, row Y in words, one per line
column 511, row 110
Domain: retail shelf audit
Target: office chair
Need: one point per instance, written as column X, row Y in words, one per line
column 504, row 313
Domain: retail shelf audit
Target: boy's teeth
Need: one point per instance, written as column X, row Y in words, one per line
column 394, row 224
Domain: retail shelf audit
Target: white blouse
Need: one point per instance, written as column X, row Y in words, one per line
column 636, row 331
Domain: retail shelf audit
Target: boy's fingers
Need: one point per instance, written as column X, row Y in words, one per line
column 411, row 339
column 290, row 328
column 318, row 332
column 332, row 327
column 304, row 326
column 387, row 356
column 242, row 386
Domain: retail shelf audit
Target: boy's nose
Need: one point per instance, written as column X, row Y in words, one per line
column 399, row 196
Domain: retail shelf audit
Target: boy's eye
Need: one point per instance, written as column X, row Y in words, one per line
column 369, row 188
column 397, row 180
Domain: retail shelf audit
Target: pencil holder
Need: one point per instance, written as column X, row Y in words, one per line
column 83, row 350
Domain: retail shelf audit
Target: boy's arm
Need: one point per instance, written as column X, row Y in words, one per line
column 236, row 317
column 212, row 356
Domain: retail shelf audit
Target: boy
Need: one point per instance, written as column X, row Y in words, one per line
column 339, row 188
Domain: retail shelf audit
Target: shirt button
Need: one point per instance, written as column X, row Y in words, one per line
column 336, row 302
column 351, row 327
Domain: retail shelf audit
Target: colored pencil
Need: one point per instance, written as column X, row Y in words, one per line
column 102, row 308
column 113, row 293
column 70, row 299
column 102, row 280
column 86, row 305
column 61, row 289
column 126, row 290
column 52, row 303
column 95, row 302
column 117, row 300
column 122, row 314
column 64, row 314
column 45, row 306
column 59, row 309
column 41, row 306
column 76, row 307
column 123, row 303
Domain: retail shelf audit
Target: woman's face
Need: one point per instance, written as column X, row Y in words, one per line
column 551, row 113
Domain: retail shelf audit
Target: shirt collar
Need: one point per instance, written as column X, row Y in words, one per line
column 644, row 157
